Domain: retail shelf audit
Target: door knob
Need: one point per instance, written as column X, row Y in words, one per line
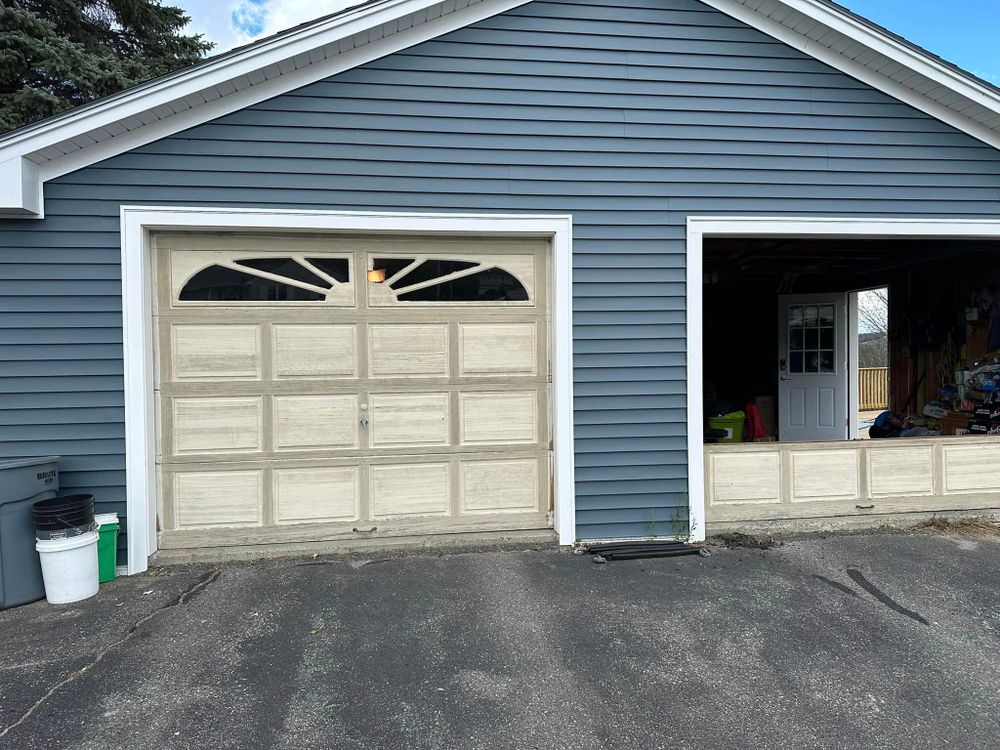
column 364, row 423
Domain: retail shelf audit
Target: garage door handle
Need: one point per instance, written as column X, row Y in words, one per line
column 865, row 507
column 364, row 423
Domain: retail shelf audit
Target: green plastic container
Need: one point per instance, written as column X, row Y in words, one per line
column 732, row 423
column 107, row 546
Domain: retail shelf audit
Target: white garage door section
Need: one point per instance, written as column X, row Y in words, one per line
column 323, row 387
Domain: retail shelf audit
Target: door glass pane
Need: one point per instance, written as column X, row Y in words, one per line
column 826, row 338
column 811, row 338
column 432, row 269
column 335, row 268
column 391, row 266
column 287, row 267
column 222, row 284
column 812, row 361
column 826, row 361
column 491, row 285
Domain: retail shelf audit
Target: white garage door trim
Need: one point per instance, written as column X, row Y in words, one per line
column 137, row 222
column 700, row 228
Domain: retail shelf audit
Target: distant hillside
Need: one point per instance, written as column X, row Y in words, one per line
column 873, row 350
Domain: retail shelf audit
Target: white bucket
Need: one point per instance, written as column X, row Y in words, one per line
column 69, row 567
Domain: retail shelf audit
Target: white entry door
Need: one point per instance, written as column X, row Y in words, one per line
column 813, row 367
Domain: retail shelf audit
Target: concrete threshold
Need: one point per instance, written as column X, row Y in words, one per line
column 435, row 544
column 848, row 523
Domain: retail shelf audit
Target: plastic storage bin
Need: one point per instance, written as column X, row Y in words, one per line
column 22, row 483
column 733, row 425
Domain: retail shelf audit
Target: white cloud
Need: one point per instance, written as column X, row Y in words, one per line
column 231, row 23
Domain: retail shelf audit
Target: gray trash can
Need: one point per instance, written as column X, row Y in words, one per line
column 23, row 481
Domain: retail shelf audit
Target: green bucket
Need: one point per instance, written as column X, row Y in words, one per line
column 107, row 546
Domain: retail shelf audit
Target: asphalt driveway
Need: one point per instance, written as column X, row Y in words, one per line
column 881, row 640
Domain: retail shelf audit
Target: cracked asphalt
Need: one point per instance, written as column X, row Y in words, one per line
column 878, row 640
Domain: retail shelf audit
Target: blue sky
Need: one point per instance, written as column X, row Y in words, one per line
column 966, row 32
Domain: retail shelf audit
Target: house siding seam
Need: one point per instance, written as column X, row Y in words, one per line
column 630, row 118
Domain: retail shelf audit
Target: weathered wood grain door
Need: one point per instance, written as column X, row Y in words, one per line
column 318, row 387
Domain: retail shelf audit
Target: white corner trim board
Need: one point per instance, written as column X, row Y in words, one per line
column 701, row 227
column 137, row 306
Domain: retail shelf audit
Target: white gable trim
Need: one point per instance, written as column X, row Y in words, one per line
column 965, row 90
column 200, row 94
column 288, row 61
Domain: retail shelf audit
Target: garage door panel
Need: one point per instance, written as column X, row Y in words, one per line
column 316, row 494
column 217, row 498
column 295, row 394
column 492, row 349
column 824, row 474
column 311, row 422
column 500, row 486
column 971, row 468
column 314, row 351
column 410, row 489
column 409, row 419
column 408, row 350
column 496, row 418
column 206, row 352
column 217, row 425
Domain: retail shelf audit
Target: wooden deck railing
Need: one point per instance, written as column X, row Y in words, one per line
column 873, row 388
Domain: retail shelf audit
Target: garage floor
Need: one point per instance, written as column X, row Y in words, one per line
column 883, row 640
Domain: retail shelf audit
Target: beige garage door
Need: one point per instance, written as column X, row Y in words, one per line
column 319, row 387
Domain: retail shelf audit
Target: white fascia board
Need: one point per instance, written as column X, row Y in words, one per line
column 880, row 43
column 895, row 50
column 206, row 77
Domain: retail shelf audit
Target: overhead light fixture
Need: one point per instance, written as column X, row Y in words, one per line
column 376, row 275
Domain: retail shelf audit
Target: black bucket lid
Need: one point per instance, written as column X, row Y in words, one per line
column 63, row 512
column 50, row 517
column 62, row 503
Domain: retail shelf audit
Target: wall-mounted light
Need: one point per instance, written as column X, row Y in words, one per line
column 376, row 275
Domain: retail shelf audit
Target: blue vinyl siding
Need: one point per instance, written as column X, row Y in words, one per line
column 630, row 116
